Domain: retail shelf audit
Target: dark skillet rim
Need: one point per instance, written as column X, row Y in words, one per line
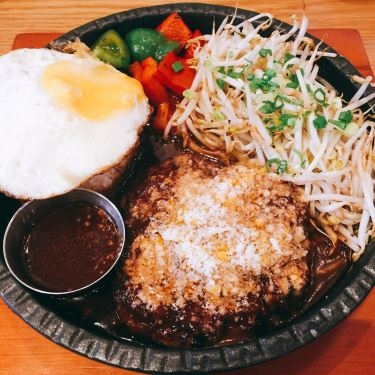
column 341, row 300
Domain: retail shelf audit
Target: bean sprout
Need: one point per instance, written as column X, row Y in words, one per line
column 261, row 97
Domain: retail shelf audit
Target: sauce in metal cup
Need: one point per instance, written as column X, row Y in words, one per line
column 64, row 244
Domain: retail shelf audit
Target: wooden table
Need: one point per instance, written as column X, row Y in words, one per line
column 347, row 349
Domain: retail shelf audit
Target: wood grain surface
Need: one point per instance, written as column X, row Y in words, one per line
column 347, row 349
column 18, row 16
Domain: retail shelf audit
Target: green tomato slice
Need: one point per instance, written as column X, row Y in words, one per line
column 112, row 49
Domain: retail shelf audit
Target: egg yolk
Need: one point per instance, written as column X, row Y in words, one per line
column 95, row 92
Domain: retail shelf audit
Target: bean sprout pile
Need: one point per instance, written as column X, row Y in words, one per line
column 261, row 97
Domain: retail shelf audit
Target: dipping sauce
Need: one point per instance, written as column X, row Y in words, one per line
column 70, row 247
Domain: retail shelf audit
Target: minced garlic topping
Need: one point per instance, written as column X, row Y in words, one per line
column 214, row 237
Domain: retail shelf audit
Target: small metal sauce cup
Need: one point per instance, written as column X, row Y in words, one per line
column 31, row 212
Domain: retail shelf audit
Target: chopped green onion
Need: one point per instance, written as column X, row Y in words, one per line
column 344, row 119
column 264, row 83
column 320, row 95
column 301, row 158
column 269, row 74
column 339, row 124
column 270, row 107
column 257, row 83
column 320, row 122
column 293, row 84
column 177, row 66
column 276, row 128
column 286, row 99
column 346, row 116
column 287, row 119
column 218, row 115
column 221, row 83
column 278, row 102
column 281, row 165
column 288, row 56
column 267, row 107
column 250, row 77
column 233, row 74
column 264, row 52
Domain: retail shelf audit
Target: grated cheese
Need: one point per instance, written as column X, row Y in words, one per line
column 213, row 238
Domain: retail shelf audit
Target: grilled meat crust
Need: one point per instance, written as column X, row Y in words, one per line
column 161, row 298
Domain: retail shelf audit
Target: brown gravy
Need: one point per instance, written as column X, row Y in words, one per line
column 70, row 247
column 96, row 309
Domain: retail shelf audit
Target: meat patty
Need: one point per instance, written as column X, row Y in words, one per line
column 212, row 250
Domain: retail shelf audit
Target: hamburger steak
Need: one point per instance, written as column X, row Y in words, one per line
column 212, row 250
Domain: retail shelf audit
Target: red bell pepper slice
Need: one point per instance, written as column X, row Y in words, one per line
column 154, row 90
column 135, row 70
column 164, row 113
column 145, row 72
column 174, row 28
column 176, row 81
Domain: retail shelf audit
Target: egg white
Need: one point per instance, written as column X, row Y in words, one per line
column 46, row 149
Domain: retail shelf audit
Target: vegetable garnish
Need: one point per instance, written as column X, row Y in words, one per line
column 260, row 97
column 320, row 122
column 145, row 42
column 264, row 52
column 281, row 165
column 112, row 49
column 293, row 84
column 272, row 106
column 320, row 95
column 174, row 28
column 177, row 66
column 175, row 73
column 284, row 120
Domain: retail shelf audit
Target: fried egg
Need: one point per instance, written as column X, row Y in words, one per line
column 64, row 119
